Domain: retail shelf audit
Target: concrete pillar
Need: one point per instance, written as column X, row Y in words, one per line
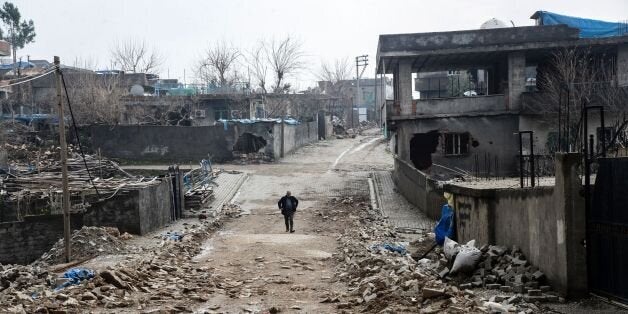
column 516, row 79
column 622, row 65
column 570, row 227
column 405, row 85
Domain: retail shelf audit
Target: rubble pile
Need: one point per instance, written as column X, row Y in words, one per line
column 508, row 270
column 199, row 197
column 16, row 278
column 86, row 243
column 383, row 276
column 231, row 210
column 253, row 158
column 162, row 278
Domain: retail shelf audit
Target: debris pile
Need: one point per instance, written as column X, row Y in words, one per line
column 383, row 277
column 199, row 197
column 508, row 270
column 231, row 210
column 14, row 279
column 161, row 278
column 86, row 243
column 253, row 158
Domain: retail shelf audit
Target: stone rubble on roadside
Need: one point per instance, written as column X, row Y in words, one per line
column 383, row 281
column 164, row 277
column 88, row 242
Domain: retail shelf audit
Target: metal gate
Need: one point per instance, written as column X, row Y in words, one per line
column 607, row 230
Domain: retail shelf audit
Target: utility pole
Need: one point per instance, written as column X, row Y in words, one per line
column 64, row 164
column 360, row 61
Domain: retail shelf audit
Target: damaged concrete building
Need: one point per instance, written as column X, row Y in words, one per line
column 478, row 89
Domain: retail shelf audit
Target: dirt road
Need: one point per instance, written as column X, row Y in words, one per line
column 287, row 271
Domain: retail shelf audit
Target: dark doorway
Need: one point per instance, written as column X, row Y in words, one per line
column 422, row 146
column 321, row 125
column 248, row 143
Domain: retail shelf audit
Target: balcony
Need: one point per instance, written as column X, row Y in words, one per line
column 446, row 107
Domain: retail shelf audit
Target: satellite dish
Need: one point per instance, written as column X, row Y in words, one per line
column 137, row 90
column 493, row 23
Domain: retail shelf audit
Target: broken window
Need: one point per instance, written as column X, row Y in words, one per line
column 422, row 145
column 456, row 144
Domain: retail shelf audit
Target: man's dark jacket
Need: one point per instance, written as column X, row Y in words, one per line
column 282, row 204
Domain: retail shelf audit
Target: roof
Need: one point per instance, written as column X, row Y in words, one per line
column 435, row 50
column 589, row 28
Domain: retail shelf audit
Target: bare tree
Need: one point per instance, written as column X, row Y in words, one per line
column 218, row 64
column 136, row 56
column 582, row 78
column 340, row 70
column 258, row 65
column 95, row 98
column 285, row 57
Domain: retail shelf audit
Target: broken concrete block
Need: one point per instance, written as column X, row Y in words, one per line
column 505, row 288
column 493, row 286
column 432, row 292
column 514, row 299
column 534, row 292
column 551, row 298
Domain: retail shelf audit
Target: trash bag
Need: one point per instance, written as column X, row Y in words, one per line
column 450, row 248
column 445, row 226
column 467, row 258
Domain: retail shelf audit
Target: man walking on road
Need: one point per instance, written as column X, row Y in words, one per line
column 288, row 205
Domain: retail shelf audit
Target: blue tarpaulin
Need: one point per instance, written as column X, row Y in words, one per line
column 588, row 28
column 75, row 276
column 445, row 226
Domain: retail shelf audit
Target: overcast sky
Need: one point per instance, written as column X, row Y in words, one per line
column 329, row 29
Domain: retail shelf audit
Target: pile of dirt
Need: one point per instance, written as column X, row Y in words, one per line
column 86, row 243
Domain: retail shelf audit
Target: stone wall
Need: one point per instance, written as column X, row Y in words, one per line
column 418, row 189
column 25, row 241
column 547, row 223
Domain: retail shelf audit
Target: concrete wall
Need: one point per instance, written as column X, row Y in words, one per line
column 494, row 135
column 176, row 143
column 622, row 65
column 418, row 189
column 456, row 105
column 547, row 223
column 479, row 38
column 191, row 144
column 25, row 241
column 294, row 136
column 136, row 211
column 516, row 79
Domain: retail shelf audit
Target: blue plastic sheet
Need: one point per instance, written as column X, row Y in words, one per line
column 588, row 28
column 173, row 236
column 76, row 276
column 445, row 226
column 391, row 247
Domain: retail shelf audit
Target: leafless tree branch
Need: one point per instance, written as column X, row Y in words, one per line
column 136, row 56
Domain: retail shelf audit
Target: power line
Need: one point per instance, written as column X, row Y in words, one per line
column 32, row 78
column 76, row 134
